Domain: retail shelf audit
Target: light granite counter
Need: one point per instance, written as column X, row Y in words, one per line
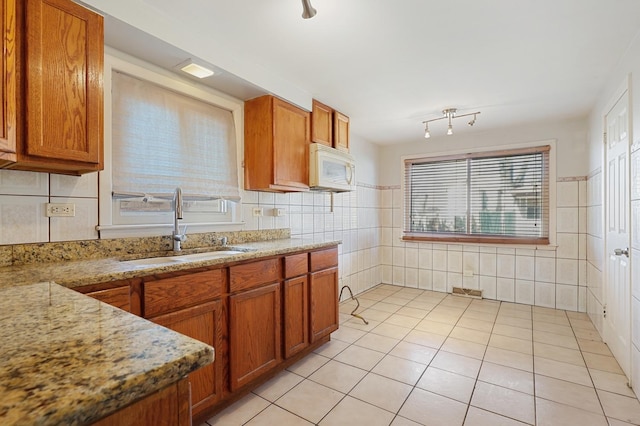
column 66, row 358
column 84, row 272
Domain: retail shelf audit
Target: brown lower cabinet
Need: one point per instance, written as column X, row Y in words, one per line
column 167, row 407
column 260, row 316
column 203, row 323
column 254, row 334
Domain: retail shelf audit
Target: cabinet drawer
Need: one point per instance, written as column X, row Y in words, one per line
column 120, row 297
column 178, row 292
column 295, row 265
column 324, row 259
column 244, row 277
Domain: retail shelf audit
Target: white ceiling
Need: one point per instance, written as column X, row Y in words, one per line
column 390, row 65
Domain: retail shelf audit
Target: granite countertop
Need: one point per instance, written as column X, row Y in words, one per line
column 68, row 359
column 85, row 272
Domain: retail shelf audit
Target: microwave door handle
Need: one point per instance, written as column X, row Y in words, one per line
column 350, row 174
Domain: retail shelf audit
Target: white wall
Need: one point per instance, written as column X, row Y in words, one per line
column 571, row 138
column 627, row 68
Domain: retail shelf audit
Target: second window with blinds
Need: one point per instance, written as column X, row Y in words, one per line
column 487, row 197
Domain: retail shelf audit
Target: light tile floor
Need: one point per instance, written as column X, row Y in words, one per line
column 429, row 358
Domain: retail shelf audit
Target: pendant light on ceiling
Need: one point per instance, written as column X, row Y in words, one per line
column 307, row 10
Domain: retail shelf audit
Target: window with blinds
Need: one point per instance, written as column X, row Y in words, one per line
column 163, row 139
column 493, row 197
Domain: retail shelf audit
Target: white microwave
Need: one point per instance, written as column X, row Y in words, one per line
column 330, row 169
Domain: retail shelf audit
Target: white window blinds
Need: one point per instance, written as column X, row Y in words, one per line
column 162, row 140
column 497, row 196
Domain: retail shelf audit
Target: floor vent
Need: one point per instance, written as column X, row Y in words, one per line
column 468, row 292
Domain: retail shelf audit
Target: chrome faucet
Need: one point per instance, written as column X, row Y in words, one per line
column 178, row 237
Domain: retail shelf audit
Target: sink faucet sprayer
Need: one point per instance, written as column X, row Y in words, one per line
column 177, row 209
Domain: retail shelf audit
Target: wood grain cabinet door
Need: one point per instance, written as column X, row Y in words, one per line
column 63, row 67
column 296, row 315
column 323, row 301
column 8, row 101
column 291, row 145
column 340, row 131
column 254, row 333
column 203, row 323
column 321, row 124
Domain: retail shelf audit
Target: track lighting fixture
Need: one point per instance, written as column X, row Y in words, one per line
column 307, row 10
column 449, row 114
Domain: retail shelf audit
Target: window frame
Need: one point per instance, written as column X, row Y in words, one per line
column 163, row 223
column 493, row 151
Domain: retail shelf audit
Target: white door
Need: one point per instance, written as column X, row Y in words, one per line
column 617, row 323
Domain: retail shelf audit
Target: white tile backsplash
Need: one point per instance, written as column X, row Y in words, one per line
column 85, row 186
column 15, row 182
column 545, row 269
column 506, row 289
column 567, row 219
column 23, row 219
column 79, row 227
column 525, row 268
column 567, row 194
column 525, row 292
column 545, row 294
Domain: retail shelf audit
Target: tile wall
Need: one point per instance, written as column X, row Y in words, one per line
column 369, row 222
column 550, row 278
column 352, row 217
column 22, row 207
column 595, row 251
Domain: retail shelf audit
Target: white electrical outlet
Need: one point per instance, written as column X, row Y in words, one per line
column 61, row 210
column 257, row 212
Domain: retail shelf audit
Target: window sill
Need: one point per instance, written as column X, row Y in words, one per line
column 457, row 239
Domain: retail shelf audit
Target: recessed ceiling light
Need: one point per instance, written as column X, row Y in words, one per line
column 194, row 69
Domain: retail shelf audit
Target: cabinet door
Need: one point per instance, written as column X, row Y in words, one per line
column 340, row 131
column 296, row 316
column 203, row 323
column 8, row 86
column 254, row 333
column 321, row 124
column 323, row 301
column 291, row 145
column 63, row 81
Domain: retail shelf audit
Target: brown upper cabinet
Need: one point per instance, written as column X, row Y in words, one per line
column 322, row 124
column 329, row 127
column 58, row 106
column 340, row 131
column 276, row 146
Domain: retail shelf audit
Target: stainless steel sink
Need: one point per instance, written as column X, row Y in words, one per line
column 171, row 260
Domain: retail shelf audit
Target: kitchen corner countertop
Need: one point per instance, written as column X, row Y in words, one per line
column 85, row 272
column 66, row 358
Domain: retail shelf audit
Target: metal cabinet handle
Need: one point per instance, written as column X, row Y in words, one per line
column 620, row 252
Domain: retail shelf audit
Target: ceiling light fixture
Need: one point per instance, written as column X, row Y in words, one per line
column 307, row 10
column 194, row 69
column 449, row 114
